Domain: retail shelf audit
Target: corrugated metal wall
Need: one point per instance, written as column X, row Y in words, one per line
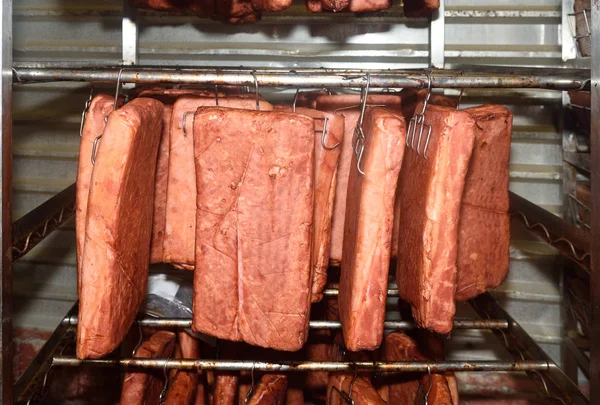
column 47, row 116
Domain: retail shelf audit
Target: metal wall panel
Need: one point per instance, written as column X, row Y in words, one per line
column 47, row 116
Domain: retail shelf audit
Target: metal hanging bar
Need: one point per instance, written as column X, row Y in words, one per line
column 595, row 217
column 389, row 325
column 574, row 80
column 6, row 182
column 304, row 366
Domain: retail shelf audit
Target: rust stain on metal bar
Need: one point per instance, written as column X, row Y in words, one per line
column 223, row 365
column 307, row 78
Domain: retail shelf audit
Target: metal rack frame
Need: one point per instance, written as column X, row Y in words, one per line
column 581, row 247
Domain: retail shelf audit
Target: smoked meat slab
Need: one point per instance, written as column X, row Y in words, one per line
column 99, row 108
column 431, row 189
column 410, row 99
column 253, row 236
column 368, row 229
column 484, row 225
column 347, row 105
column 116, row 254
column 159, row 218
column 180, row 224
column 326, row 163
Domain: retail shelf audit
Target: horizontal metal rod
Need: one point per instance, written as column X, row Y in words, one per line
column 334, row 292
column 226, row 365
column 302, row 79
column 389, row 325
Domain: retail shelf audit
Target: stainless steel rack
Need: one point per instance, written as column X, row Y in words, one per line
column 581, row 247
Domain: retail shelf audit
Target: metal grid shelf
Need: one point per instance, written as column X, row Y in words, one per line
column 530, row 357
column 32, row 228
column 572, row 242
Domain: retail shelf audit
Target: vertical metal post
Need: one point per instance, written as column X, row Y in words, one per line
column 569, row 47
column 130, row 35
column 437, row 38
column 595, row 183
column 6, row 380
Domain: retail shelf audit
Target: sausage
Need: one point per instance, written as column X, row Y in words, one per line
column 236, row 11
column 402, row 389
column 116, row 252
column 143, row 388
column 182, row 390
column 226, row 388
column 271, row 390
column 368, row 229
column 161, row 5
column 362, row 392
column 271, row 5
column 420, row 8
column 361, row 6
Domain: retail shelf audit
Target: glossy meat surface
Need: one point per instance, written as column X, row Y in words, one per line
column 253, row 236
column 368, row 229
column 431, row 191
column 116, row 253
